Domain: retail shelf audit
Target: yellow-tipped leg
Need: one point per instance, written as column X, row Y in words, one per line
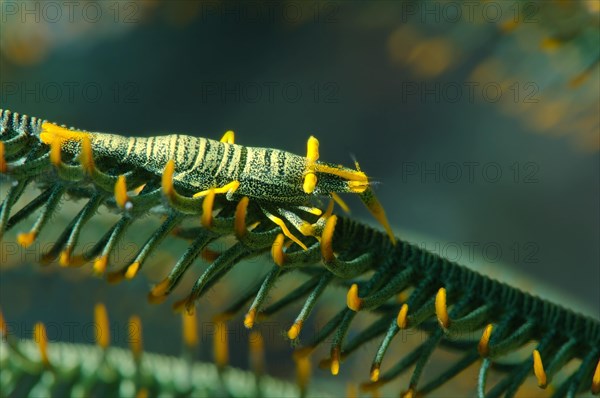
column 240, row 217
column 441, row 308
column 294, row 331
column 221, row 345
column 483, row 346
column 26, row 239
column 167, row 178
column 121, row 192
column 286, row 231
column 312, row 155
column 190, row 329
column 135, row 336
column 102, row 326
column 410, row 393
column 352, row 300
column 51, row 132
column 3, row 165
column 86, row 157
column 277, row 250
column 228, row 189
column 538, row 369
column 207, row 208
column 327, row 239
column 357, row 180
column 228, row 137
column 402, row 320
column 596, row 380
column 41, row 338
column 370, row 200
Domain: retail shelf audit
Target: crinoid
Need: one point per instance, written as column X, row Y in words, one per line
column 442, row 299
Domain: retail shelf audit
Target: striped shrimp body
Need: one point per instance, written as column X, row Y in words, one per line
column 275, row 179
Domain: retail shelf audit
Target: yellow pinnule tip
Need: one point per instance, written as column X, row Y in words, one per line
column 100, row 264
column 277, row 250
column 550, row 44
column 538, row 369
column 375, row 374
column 65, row 258
column 302, row 352
column 250, row 318
column 190, row 329
column 167, row 178
column 3, row 165
column 327, row 239
column 352, row 300
column 295, row 330
column 3, row 327
column 207, row 208
column 335, row 367
column 26, row 239
column 121, row 192
column 596, row 380
column 303, row 371
column 209, row 255
column 142, row 393
column 351, row 391
column 102, row 324
column 410, row 393
column 41, row 338
column 161, row 288
column 135, row 336
column 441, row 308
column 508, row 25
column 221, row 346
column 483, row 346
column 240, row 217
column 132, row 270
column 257, row 351
column 402, row 320
column 335, row 361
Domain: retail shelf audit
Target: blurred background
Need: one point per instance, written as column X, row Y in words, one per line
column 480, row 121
